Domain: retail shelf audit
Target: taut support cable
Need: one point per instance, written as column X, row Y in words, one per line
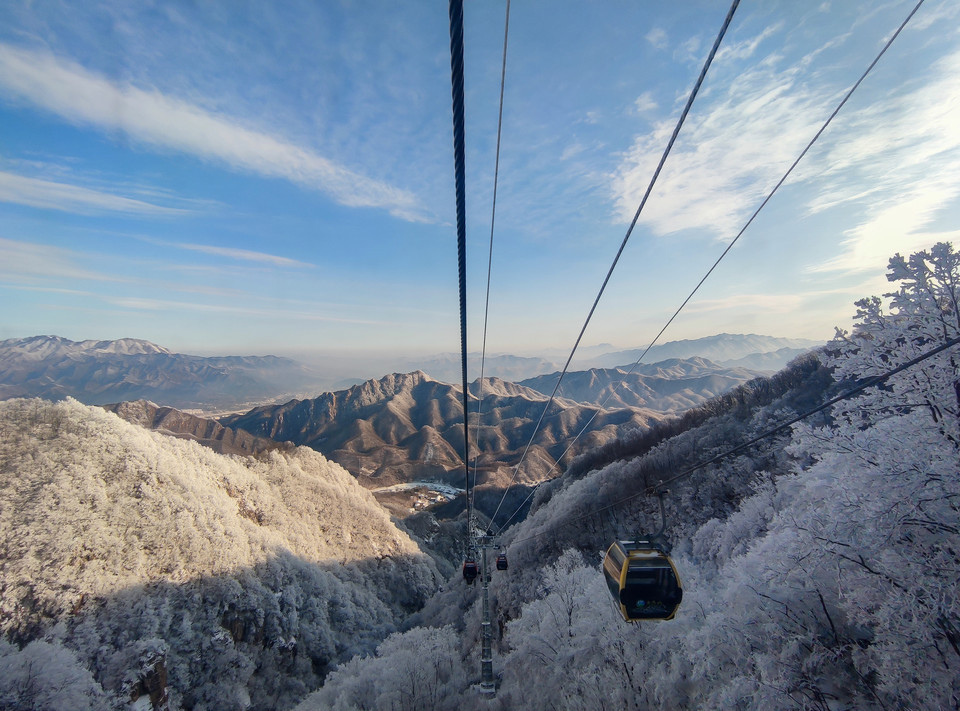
column 868, row 383
column 493, row 216
column 737, row 237
column 626, row 237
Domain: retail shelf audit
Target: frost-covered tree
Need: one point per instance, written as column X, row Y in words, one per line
column 922, row 314
column 45, row 676
column 891, row 531
column 419, row 669
column 568, row 649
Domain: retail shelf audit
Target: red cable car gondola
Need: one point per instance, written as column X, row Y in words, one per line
column 502, row 561
column 470, row 570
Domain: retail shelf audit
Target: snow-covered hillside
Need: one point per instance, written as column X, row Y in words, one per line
column 160, row 566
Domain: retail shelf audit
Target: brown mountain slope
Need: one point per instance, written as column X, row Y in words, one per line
column 409, row 427
column 207, row 432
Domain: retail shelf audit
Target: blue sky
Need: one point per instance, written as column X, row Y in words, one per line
column 225, row 177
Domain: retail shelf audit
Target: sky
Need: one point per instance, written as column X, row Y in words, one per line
column 227, row 177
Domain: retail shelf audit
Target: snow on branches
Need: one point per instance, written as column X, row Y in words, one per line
column 923, row 313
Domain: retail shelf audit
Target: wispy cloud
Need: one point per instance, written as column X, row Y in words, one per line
column 47, row 289
column 771, row 303
column 899, row 157
column 657, row 37
column 944, row 15
column 745, row 49
column 688, row 51
column 244, row 255
column 908, row 151
column 26, row 262
column 24, row 190
column 574, row 149
column 645, row 103
column 311, row 312
column 81, row 97
column 157, row 305
column 728, row 155
column 868, row 247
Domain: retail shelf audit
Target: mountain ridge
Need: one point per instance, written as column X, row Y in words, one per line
column 205, row 431
column 406, row 427
column 47, row 346
column 719, row 348
column 669, row 386
column 756, row 352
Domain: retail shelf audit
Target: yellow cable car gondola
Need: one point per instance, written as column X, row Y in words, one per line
column 642, row 578
column 643, row 581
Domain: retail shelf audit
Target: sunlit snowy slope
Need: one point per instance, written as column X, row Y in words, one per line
column 166, row 568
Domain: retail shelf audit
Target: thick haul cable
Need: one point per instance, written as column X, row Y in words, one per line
column 456, row 77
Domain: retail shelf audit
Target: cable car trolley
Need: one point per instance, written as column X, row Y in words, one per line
column 641, row 577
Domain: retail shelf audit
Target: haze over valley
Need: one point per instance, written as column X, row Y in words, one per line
column 393, row 430
column 102, row 372
column 386, row 431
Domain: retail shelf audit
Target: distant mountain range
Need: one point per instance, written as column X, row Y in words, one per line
column 513, row 368
column 410, row 427
column 101, row 372
column 730, row 349
column 668, row 386
column 752, row 351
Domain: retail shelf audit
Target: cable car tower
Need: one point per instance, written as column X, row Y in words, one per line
column 487, row 684
column 472, row 570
